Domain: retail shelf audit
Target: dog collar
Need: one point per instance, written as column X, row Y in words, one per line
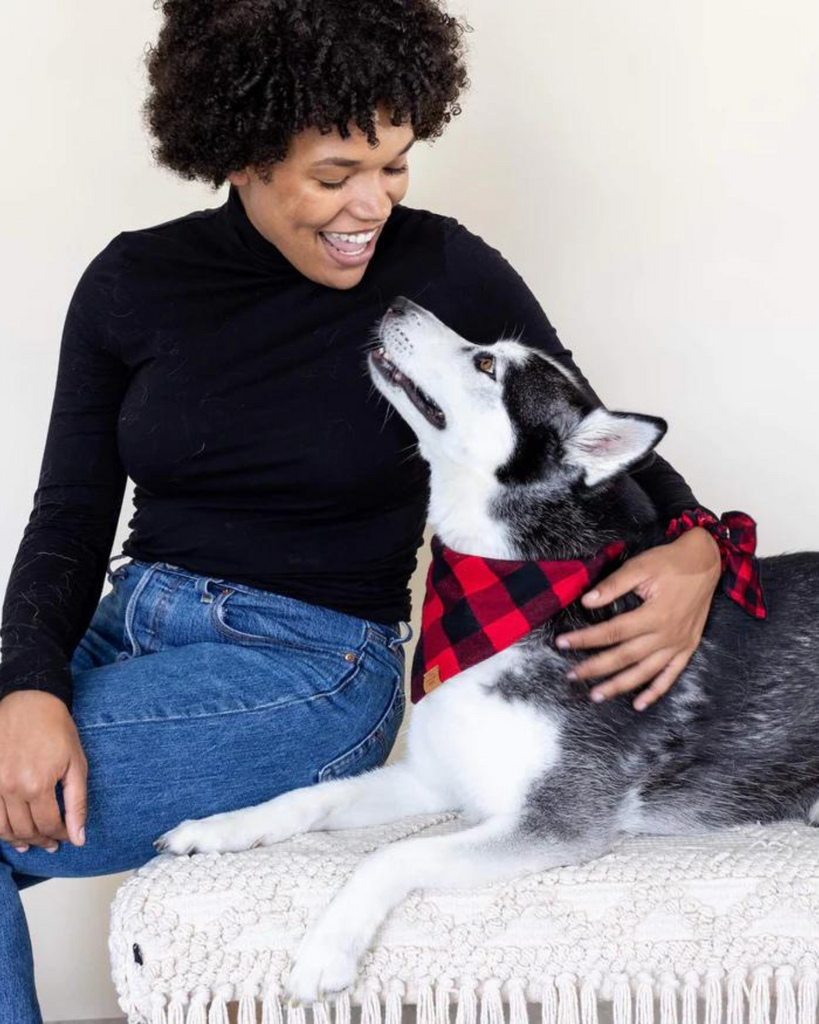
column 475, row 607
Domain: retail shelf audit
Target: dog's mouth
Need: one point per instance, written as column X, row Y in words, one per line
column 430, row 410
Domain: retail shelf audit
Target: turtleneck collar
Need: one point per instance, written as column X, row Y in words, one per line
column 251, row 241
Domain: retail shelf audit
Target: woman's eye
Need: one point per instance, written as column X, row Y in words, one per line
column 340, row 184
column 486, row 364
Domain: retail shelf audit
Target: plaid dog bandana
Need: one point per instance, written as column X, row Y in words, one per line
column 735, row 533
column 475, row 607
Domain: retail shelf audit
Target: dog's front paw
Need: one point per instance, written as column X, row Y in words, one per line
column 325, row 963
column 262, row 825
column 220, row 833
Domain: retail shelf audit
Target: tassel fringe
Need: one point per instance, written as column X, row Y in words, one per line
column 765, row 995
column 467, row 1011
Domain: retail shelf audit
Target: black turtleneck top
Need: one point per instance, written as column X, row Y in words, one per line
column 197, row 360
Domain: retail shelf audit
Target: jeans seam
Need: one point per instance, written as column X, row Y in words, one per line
column 341, row 760
column 346, row 680
column 130, row 611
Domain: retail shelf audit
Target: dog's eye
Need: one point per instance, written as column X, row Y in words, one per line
column 486, row 364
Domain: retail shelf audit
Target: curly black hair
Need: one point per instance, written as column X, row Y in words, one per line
column 231, row 81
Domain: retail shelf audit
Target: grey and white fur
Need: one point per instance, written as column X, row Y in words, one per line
column 525, row 465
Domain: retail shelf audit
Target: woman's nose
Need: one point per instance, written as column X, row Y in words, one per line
column 372, row 206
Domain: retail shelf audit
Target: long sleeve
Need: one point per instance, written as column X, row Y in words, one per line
column 57, row 576
column 494, row 295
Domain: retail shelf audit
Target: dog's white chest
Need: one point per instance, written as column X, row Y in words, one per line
column 481, row 749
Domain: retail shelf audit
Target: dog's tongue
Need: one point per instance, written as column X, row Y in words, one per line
column 344, row 246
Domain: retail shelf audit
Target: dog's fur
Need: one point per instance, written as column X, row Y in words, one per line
column 526, row 466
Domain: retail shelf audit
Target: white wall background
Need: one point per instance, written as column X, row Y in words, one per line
column 649, row 168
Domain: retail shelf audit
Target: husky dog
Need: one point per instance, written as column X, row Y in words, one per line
column 525, row 465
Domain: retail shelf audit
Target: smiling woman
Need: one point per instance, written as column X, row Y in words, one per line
column 317, row 89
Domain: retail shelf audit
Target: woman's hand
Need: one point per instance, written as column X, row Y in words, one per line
column 39, row 747
column 655, row 641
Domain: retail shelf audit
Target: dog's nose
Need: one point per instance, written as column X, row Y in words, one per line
column 399, row 305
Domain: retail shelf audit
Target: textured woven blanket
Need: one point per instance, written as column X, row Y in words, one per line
column 721, row 927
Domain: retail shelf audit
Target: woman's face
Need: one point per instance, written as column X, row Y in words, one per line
column 329, row 185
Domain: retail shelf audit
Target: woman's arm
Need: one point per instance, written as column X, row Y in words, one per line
column 57, row 578
column 58, row 574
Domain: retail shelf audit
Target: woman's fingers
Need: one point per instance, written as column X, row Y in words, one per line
column 75, row 797
column 615, row 659
column 46, row 814
column 664, row 681
column 6, row 833
column 615, row 630
column 22, row 824
column 631, row 576
column 642, row 672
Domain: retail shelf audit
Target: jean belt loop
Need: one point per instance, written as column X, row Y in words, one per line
column 402, row 639
column 111, row 561
column 205, row 595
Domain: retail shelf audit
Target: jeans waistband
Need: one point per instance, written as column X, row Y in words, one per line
column 392, row 632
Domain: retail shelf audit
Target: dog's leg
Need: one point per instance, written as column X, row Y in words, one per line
column 328, row 956
column 384, row 794
column 813, row 814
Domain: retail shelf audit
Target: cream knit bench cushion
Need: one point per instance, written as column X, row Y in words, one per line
column 721, row 927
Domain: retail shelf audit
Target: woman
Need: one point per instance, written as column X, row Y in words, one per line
column 253, row 643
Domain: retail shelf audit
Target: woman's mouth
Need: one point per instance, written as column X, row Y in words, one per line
column 348, row 249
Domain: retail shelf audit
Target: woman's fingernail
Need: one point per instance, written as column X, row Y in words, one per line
column 597, row 696
column 563, row 642
column 592, row 595
column 640, row 705
column 571, row 675
column 81, row 834
column 21, row 849
column 53, row 849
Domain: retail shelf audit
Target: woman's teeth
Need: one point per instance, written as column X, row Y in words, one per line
column 351, row 244
column 360, row 238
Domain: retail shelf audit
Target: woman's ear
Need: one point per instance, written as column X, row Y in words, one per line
column 604, row 444
column 238, row 178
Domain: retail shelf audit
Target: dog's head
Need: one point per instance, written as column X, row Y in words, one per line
column 501, row 416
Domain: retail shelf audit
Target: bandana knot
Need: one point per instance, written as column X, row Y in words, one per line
column 735, row 533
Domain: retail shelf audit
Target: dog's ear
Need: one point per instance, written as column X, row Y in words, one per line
column 606, row 443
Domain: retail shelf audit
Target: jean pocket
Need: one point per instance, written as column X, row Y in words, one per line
column 374, row 749
column 244, row 618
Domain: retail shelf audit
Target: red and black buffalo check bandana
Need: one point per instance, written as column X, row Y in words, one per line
column 735, row 533
column 475, row 607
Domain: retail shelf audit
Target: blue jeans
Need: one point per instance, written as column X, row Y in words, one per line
column 195, row 695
